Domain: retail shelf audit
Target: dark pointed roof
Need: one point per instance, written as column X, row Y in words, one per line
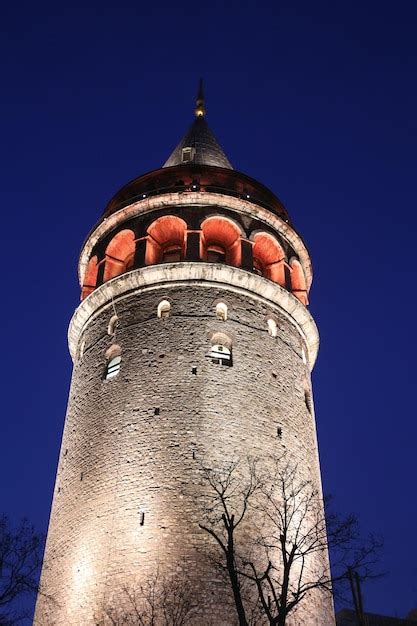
column 205, row 148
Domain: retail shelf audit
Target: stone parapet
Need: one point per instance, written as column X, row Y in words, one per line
column 203, row 274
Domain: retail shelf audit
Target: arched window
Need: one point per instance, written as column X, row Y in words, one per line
column 82, row 348
column 269, row 258
column 220, row 241
column 120, row 254
column 113, row 323
column 165, row 242
column 114, row 359
column 220, row 354
column 272, row 327
column 164, row 308
column 90, row 277
column 221, row 311
column 113, row 367
column 221, row 350
column 298, row 281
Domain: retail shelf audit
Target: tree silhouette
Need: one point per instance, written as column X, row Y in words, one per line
column 160, row 601
column 20, row 560
column 272, row 539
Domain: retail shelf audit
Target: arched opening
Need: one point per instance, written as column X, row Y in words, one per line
column 120, row 254
column 221, row 350
column 82, row 349
column 269, row 258
column 165, row 242
column 272, row 327
column 90, row 277
column 164, row 309
column 221, row 311
column 220, row 241
column 298, row 281
column 114, row 360
column 113, row 323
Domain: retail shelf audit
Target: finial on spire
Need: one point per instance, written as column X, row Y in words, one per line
column 200, row 110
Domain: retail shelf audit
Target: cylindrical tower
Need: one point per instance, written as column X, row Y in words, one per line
column 192, row 343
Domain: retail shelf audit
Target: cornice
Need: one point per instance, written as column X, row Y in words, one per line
column 231, row 279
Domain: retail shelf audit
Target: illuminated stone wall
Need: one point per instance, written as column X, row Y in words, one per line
column 133, row 445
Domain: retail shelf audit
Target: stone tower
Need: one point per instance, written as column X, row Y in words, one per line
column 192, row 343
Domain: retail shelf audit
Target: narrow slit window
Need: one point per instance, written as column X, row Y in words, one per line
column 113, row 367
column 303, row 356
column 308, row 401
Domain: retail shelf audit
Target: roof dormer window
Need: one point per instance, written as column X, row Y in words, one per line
column 187, row 154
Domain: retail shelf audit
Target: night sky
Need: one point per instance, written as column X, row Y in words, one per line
column 318, row 101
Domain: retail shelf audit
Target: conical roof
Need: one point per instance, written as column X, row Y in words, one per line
column 199, row 145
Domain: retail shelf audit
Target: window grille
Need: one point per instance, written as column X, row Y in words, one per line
column 113, row 367
column 220, row 355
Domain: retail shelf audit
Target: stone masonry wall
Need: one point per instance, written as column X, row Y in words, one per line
column 123, row 504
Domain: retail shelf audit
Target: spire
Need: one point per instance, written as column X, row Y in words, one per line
column 199, row 110
column 199, row 145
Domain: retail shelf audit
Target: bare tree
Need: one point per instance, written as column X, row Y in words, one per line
column 20, row 560
column 271, row 532
column 160, row 601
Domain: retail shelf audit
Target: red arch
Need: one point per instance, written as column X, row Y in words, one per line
column 221, row 238
column 269, row 257
column 120, row 254
column 298, row 281
column 166, row 240
column 90, row 277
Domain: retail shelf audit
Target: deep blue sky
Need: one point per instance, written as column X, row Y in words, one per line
column 317, row 100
